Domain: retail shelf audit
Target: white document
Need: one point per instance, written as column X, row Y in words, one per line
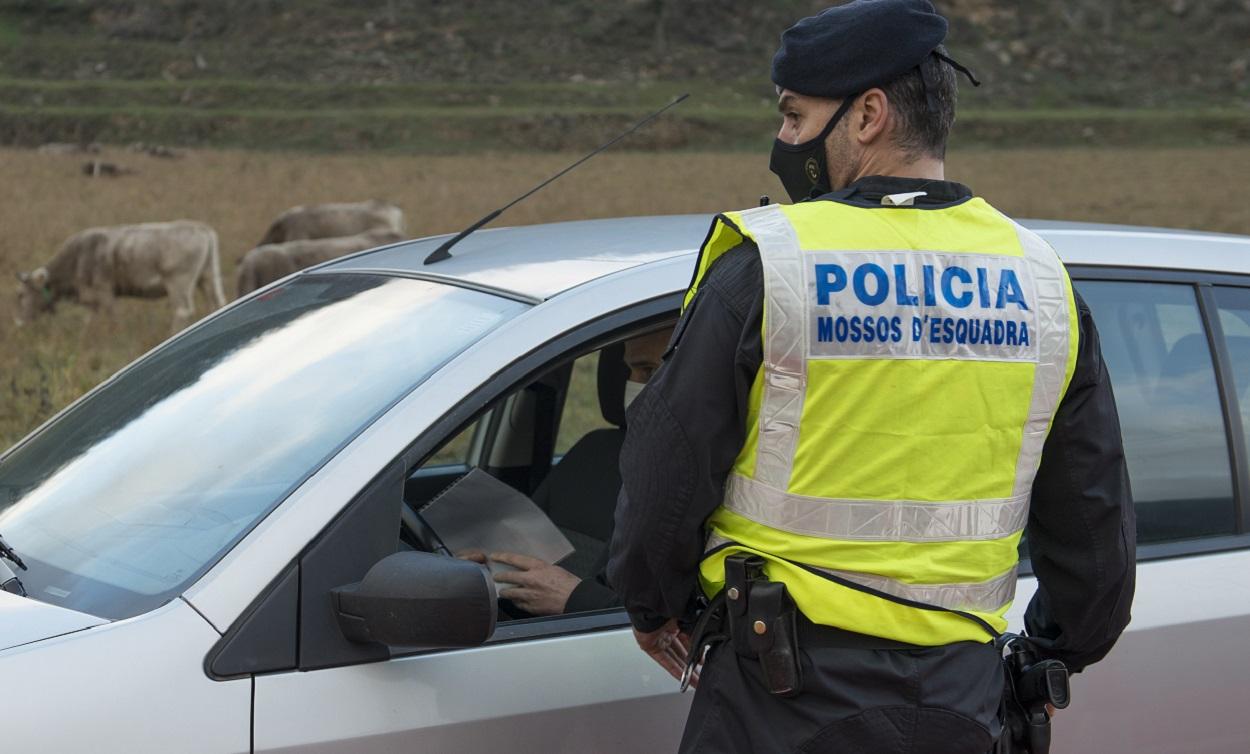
column 480, row 512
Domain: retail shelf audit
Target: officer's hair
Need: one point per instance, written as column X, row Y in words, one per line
column 919, row 131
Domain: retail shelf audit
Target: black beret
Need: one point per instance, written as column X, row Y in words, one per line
column 849, row 48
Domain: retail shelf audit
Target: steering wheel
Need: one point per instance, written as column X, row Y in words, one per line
column 421, row 531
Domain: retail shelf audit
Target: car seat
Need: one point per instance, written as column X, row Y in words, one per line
column 579, row 494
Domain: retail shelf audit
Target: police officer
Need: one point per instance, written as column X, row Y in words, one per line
column 870, row 393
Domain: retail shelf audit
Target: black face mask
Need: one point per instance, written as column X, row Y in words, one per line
column 803, row 168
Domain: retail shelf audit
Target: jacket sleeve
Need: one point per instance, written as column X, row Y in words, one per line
column 591, row 594
column 1082, row 526
column 683, row 433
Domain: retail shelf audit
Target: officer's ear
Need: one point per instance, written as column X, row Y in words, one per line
column 870, row 117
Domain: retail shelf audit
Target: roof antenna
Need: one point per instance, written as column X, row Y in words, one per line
column 443, row 252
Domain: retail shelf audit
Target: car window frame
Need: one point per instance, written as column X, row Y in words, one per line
column 571, row 345
column 477, row 404
column 1203, row 285
column 579, row 339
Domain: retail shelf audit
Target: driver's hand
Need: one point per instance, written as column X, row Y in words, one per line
column 539, row 587
column 477, row 556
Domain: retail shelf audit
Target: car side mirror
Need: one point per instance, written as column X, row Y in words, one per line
column 419, row 599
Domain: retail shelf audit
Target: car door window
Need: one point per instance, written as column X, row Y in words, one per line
column 575, row 480
column 577, row 492
column 1157, row 353
column 1234, row 309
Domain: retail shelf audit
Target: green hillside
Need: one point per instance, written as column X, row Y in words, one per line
column 431, row 75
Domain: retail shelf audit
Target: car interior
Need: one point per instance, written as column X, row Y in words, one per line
column 557, row 439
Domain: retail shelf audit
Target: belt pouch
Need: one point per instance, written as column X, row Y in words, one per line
column 772, row 630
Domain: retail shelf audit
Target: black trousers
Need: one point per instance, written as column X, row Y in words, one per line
column 855, row 698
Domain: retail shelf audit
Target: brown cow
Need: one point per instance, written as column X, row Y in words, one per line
column 148, row 260
column 334, row 221
column 271, row 262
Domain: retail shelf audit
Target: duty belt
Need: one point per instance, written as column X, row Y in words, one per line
column 758, row 618
column 761, row 621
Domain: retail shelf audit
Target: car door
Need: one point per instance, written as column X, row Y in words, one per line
column 1175, row 682
column 570, row 683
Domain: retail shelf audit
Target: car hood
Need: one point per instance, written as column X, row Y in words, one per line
column 23, row 620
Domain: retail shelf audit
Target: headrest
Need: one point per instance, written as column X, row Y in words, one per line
column 613, row 374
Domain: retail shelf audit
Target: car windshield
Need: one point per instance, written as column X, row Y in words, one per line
column 133, row 493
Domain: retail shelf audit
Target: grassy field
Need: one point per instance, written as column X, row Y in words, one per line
column 44, row 198
column 445, row 118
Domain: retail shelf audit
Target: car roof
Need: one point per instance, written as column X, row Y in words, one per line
column 540, row 261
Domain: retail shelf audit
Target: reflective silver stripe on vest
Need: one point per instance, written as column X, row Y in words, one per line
column 785, row 336
column 876, row 520
column 983, row 596
column 1051, row 296
column 986, row 596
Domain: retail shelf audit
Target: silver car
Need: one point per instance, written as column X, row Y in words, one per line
column 226, row 551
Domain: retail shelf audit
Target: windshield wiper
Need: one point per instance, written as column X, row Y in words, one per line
column 9, row 581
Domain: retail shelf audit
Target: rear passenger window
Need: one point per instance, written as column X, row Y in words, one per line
column 1234, row 307
column 1157, row 353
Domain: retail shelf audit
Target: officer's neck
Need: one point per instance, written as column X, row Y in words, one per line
column 898, row 165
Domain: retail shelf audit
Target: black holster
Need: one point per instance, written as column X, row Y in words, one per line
column 763, row 623
column 1031, row 684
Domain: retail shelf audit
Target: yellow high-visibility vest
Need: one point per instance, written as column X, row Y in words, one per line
column 913, row 362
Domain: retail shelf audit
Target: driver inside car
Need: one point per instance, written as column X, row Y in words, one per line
column 540, row 588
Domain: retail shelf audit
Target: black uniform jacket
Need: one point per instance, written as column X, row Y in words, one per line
column 688, row 425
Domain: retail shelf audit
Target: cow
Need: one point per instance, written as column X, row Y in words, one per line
column 68, row 148
column 100, row 168
column 149, row 260
column 270, row 262
column 333, row 221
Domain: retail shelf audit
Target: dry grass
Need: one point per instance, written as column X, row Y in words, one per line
column 44, row 198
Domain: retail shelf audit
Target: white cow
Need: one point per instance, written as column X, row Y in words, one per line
column 274, row 261
column 149, row 260
column 333, row 221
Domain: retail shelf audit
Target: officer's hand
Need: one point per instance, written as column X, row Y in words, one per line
column 668, row 646
column 540, row 588
column 477, row 556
